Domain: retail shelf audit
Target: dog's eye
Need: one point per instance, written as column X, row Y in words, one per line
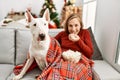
column 44, row 24
column 34, row 24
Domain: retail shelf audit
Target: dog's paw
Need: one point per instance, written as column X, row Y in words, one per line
column 18, row 77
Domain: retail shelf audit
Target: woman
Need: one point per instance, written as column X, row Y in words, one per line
column 74, row 38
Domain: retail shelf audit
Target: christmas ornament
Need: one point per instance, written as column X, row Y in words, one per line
column 52, row 25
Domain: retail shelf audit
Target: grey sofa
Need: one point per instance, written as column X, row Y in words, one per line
column 14, row 45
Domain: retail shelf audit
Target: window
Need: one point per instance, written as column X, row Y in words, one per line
column 118, row 51
column 89, row 12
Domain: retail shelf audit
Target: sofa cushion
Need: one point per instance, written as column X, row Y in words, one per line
column 28, row 76
column 54, row 32
column 95, row 75
column 7, row 50
column 5, row 71
column 96, row 54
column 106, row 71
column 23, row 38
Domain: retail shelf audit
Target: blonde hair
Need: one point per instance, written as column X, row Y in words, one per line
column 72, row 16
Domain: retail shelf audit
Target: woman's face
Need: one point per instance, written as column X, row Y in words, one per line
column 74, row 26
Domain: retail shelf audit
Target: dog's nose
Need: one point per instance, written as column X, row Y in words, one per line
column 42, row 36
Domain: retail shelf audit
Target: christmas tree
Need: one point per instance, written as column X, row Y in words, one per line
column 68, row 9
column 53, row 14
column 69, row 2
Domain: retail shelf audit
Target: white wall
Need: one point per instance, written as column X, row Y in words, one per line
column 107, row 28
column 21, row 5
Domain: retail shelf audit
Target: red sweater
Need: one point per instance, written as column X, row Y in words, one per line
column 84, row 45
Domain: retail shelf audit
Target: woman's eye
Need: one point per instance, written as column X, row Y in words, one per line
column 70, row 25
column 76, row 25
column 34, row 24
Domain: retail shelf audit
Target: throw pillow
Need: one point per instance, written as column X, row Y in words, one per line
column 96, row 54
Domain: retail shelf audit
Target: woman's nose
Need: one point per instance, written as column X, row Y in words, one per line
column 73, row 28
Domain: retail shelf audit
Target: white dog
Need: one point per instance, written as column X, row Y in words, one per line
column 40, row 42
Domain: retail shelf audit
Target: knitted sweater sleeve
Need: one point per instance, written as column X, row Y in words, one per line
column 86, row 44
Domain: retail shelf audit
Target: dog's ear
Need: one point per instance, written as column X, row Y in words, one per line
column 28, row 16
column 46, row 15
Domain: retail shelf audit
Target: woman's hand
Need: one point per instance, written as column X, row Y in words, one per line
column 73, row 37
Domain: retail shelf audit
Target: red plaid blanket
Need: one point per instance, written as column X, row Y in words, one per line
column 58, row 69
